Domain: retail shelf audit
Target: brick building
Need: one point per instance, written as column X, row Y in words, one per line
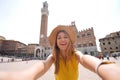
column 86, row 41
column 31, row 49
column 11, row 47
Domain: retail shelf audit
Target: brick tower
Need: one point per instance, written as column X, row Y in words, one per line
column 44, row 22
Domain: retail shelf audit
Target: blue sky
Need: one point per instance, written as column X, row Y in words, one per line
column 20, row 19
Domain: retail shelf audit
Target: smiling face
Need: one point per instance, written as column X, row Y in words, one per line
column 63, row 40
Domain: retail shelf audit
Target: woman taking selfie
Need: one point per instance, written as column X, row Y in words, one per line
column 66, row 59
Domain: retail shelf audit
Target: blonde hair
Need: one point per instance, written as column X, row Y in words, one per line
column 56, row 52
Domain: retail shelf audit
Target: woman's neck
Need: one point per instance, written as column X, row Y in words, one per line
column 63, row 54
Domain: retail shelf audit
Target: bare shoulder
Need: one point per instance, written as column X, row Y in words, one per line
column 50, row 58
column 78, row 55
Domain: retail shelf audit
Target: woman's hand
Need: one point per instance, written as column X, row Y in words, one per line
column 32, row 73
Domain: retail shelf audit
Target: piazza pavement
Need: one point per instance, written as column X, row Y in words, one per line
column 84, row 74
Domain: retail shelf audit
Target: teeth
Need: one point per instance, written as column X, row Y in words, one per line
column 63, row 44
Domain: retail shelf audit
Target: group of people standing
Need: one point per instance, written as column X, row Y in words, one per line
column 115, row 56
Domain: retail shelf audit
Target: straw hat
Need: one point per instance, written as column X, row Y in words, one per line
column 68, row 29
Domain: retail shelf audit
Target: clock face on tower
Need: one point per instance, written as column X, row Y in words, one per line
column 42, row 35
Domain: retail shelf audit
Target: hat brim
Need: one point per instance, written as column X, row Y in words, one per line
column 68, row 29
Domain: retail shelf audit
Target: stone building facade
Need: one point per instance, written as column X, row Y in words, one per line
column 110, row 43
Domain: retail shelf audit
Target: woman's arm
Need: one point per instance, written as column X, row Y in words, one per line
column 40, row 68
column 88, row 61
column 32, row 73
column 109, row 71
column 106, row 71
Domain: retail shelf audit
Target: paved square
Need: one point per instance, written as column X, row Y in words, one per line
column 84, row 74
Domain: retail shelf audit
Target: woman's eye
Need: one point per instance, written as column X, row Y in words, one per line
column 65, row 37
column 58, row 38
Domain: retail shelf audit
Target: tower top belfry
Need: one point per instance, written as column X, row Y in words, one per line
column 44, row 10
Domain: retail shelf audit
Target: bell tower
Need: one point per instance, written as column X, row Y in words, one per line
column 44, row 22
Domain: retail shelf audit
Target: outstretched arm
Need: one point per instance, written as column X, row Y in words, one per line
column 105, row 71
column 88, row 61
column 109, row 71
column 32, row 73
column 41, row 67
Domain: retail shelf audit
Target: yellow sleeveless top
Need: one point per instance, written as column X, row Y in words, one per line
column 68, row 71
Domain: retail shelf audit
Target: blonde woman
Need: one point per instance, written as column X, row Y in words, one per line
column 65, row 59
